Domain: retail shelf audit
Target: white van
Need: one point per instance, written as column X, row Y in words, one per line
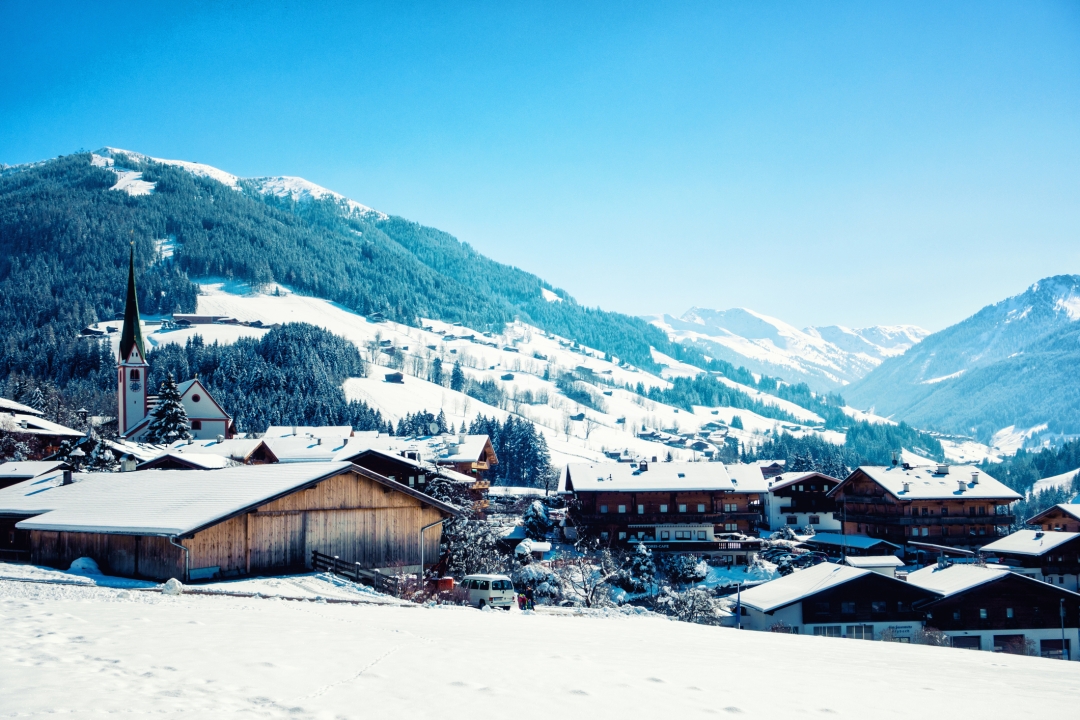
column 492, row 590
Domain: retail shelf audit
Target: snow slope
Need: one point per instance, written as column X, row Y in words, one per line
column 825, row 358
column 82, row 651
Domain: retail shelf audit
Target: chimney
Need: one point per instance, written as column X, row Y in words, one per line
column 907, row 487
column 1038, row 534
column 895, row 459
column 319, row 441
column 942, row 469
column 221, row 438
column 975, row 477
column 961, row 484
column 643, row 466
column 68, row 480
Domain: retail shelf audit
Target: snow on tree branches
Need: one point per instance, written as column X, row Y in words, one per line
column 170, row 421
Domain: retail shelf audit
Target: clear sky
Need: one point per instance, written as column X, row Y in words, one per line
column 862, row 163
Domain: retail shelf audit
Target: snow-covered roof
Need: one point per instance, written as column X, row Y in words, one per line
column 234, row 448
column 787, row 479
column 954, row 578
column 165, row 502
column 799, row 585
column 466, row 448
column 747, row 478
column 874, row 561
column 328, row 431
column 1072, row 509
column 303, row 448
column 26, row 469
column 662, row 477
column 138, row 450
column 925, row 483
column 7, row 405
column 351, row 453
column 858, row 542
column 34, row 425
column 1029, row 542
column 509, row 491
column 201, row 461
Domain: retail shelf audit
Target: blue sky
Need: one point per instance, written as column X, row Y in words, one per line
column 862, row 163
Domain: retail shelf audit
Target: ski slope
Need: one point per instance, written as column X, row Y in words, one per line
column 82, row 651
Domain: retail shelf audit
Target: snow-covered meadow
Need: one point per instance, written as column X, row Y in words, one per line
column 92, row 651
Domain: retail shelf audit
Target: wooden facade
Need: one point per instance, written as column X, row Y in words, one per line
column 349, row 515
column 867, row 508
column 1058, row 518
column 612, row 512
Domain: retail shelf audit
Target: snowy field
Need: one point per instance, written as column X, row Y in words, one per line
column 91, row 651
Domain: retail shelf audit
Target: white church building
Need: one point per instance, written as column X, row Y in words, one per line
column 208, row 418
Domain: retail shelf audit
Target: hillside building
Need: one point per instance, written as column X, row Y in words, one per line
column 1052, row 557
column 135, row 404
column 1062, row 517
column 800, row 499
column 993, row 608
column 943, row 505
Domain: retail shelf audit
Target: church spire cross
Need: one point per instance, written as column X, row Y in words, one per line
column 131, row 336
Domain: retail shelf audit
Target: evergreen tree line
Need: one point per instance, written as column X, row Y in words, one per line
column 422, row 424
column 1022, row 470
column 290, row 376
column 524, row 459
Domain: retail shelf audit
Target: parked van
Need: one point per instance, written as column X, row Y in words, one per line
column 492, row 590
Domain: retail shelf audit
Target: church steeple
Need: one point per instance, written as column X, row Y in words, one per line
column 131, row 336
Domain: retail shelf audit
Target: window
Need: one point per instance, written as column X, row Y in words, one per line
column 815, row 520
column 731, row 507
column 925, row 531
column 663, row 508
column 604, row 536
column 196, row 424
column 484, row 584
column 800, row 488
column 622, row 536
column 821, row 608
column 196, row 397
column 640, row 509
column 847, row 608
column 944, row 511
column 878, row 606
column 412, row 480
column 731, row 527
column 682, row 508
column 622, row 508
column 792, row 520
column 603, row 508
column 700, row 534
column 683, row 535
column 1009, row 613
column 420, row 480
column 926, row 511
column 827, row 630
column 665, row 535
column 956, row 615
column 860, row 632
column 971, row 511
column 701, row 507
column 982, row 613
column 982, row 509
column 902, row 606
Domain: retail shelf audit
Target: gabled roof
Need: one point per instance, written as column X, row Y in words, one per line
column 954, row 579
column 747, row 478
column 326, row 432
column 787, row 479
column 659, row 477
column 7, row 405
column 169, row 502
column 874, row 561
column 34, row 425
column 239, row 449
column 193, row 461
column 188, row 385
column 26, row 469
column 1067, row 508
column 303, row 448
column 925, row 483
column 799, row 585
column 1029, row 542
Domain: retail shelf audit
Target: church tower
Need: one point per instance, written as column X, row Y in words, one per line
column 132, row 367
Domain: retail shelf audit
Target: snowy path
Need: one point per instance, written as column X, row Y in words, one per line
column 100, row 651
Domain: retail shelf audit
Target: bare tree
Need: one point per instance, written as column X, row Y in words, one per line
column 590, row 425
column 588, row 573
column 567, row 424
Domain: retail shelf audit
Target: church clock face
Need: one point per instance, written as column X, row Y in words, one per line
column 135, row 386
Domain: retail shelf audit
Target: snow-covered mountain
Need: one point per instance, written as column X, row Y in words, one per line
column 826, row 358
column 1013, row 363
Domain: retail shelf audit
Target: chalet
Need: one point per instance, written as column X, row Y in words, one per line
column 800, row 499
column 18, row 471
column 1060, row 517
column 992, row 608
column 836, row 601
column 237, row 521
column 43, row 437
column 1053, row 557
column 135, row 404
column 668, row 506
column 945, row 505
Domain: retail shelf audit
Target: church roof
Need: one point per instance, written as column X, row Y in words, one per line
column 131, row 335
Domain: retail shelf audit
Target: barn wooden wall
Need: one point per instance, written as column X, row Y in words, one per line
column 348, row 515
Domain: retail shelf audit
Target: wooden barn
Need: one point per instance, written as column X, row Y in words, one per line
column 264, row 519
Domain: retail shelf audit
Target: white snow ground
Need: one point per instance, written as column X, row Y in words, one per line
column 1064, row 480
column 88, row 651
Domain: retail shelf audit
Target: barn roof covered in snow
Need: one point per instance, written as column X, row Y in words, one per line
column 798, row 586
column 644, row 477
column 1029, row 542
column 959, row 482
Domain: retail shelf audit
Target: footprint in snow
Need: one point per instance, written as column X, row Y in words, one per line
column 732, row 709
column 578, row 692
column 654, row 679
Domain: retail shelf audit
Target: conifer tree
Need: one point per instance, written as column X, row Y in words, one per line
column 170, row 421
column 457, row 378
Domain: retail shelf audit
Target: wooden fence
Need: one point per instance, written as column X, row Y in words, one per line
column 382, row 582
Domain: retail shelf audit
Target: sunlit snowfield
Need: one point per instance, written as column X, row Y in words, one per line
column 91, row 651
